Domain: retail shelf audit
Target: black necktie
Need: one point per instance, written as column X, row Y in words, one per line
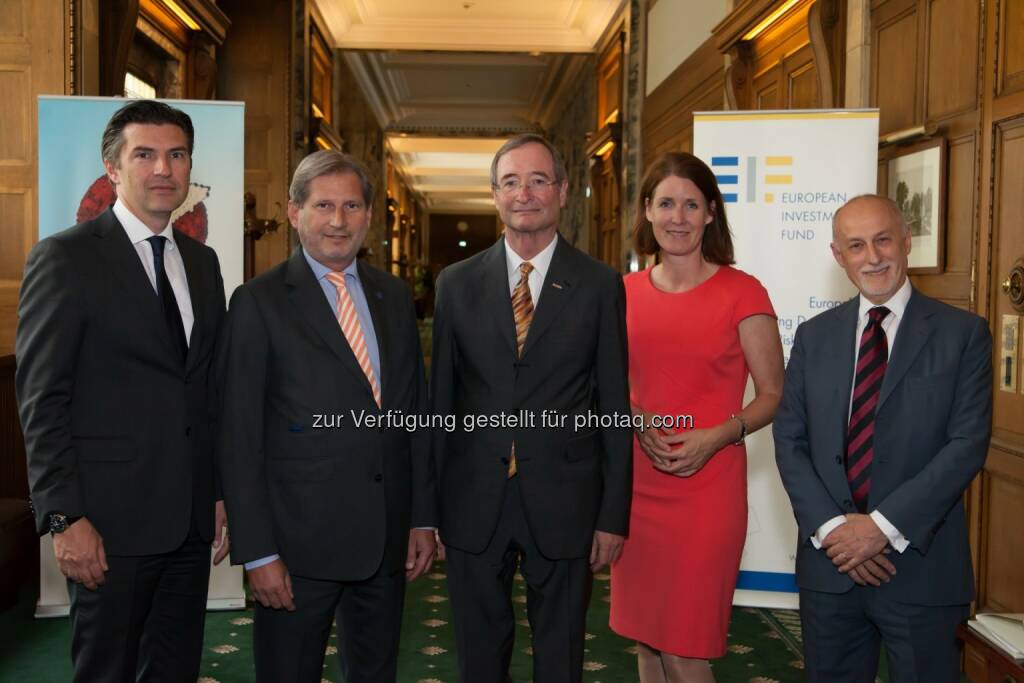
column 872, row 359
column 172, row 314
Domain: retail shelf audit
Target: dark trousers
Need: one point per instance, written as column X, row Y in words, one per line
column 480, row 588
column 842, row 634
column 145, row 623
column 289, row 646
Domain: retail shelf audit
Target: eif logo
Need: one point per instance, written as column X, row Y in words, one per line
column 778, row 170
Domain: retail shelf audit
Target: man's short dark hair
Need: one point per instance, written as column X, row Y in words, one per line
column 142, row 111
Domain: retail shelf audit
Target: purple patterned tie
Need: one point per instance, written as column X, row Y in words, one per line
column 872, row 358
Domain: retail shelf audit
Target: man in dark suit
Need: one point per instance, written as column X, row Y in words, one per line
column 530, row 325
column 119, row 317
column 884, row 421
column 328, row 492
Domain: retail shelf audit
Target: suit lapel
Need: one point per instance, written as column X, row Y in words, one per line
column 495, row 279
column 378, row 312
column 914, row 330
column 555, row 293
column 123, row 262
column 308, row 298
column 196, row 285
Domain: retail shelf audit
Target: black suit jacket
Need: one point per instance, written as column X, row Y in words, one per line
column 573, row 362
column 331, row 498
column 116, row 429
column 932, row 427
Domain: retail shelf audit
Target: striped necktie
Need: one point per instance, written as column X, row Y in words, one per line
column 872, row 359
column 353, row 331
column 522, row 311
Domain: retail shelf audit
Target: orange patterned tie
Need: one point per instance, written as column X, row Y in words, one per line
column 349, row 321
column 522, row 311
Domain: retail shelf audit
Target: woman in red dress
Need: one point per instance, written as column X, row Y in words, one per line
column 697, row 327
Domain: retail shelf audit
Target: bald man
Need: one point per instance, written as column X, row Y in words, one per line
column 884, row 421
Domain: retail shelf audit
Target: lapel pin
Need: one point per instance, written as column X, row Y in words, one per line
column 556, row 285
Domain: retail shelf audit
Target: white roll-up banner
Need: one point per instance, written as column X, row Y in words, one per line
column 782, row 175
column 73, row 187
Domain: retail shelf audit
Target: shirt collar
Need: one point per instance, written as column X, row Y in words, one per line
column 136, row 229
column 541, row 262
column 897, row 303
column 321, row 271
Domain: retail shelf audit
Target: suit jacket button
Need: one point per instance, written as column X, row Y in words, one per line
column 188, row 431
column 839, row 459
column 504, row 461
column 378, row 477
column 848, row 503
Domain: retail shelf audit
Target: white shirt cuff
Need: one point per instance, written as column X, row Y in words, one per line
column 896, row 539
column 262, row 561
column 825, row 529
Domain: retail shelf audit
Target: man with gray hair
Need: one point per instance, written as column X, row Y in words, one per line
column 329, row 505
column 884, row 421
column 530, row 327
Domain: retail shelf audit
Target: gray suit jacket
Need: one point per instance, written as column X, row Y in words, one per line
column 932, row 427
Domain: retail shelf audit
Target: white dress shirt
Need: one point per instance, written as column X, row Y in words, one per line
column 139, row 233
column 541, row 262
column 897, row 306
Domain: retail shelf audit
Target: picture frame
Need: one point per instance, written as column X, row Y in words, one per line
column 916, row 181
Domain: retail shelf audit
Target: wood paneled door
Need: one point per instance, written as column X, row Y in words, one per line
column 33, row 55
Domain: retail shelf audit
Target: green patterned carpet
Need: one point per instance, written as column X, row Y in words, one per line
column 764, row 645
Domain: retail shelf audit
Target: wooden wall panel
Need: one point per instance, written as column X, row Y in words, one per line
column 32, row 62
column 15, row 208
column 767, row 89
column 1003, row 501
column 802, row 80
column 960, row 205
column 782, row 61
column 1011, row 44
column 1008, row 247
column 15, row 112
column 953, row 36
column 895, row 70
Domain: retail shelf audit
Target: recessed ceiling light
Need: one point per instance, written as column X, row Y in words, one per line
column 462, row 243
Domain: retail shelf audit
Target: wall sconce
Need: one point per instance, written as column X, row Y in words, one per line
column 254, row 228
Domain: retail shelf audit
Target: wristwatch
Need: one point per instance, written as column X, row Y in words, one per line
column 743, row 429
column 59, row 522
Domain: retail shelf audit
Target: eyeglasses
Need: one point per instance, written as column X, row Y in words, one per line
column 534, row 185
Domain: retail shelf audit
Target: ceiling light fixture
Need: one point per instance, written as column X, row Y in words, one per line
column 769, row 20
column 462, row 243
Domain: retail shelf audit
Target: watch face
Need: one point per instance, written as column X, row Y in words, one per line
column 58, row 523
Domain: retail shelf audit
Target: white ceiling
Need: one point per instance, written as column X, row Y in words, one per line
column 476, row 25
column 451, row 174
column 458, row 77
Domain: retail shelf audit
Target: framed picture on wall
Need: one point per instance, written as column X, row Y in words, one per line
column 917, row 183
